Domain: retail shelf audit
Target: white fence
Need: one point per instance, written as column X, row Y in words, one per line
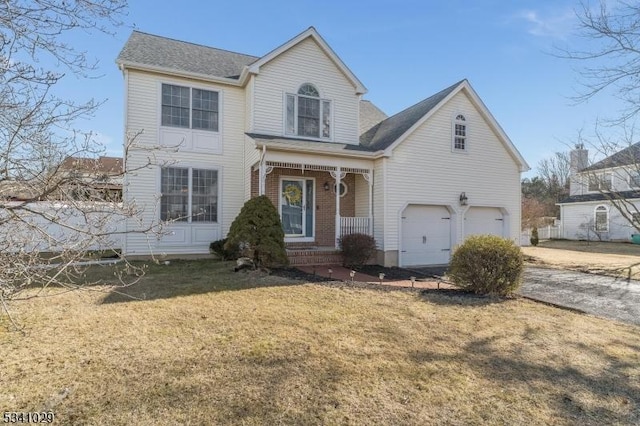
column 56, row 226
column 548, row 232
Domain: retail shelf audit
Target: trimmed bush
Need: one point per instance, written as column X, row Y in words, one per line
column 218, row 247
column 486, row 264
column 257, row 233
column 357, row 249
column 534, row 236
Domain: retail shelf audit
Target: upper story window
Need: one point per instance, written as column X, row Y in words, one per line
column 307, row 114
column 189, row 108
column 634, row 180
column 460, row 133
column 600, row 182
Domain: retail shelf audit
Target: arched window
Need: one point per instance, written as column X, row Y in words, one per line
column 307, row 114
column 308, row 89
column 460, row 133
column 601, row 219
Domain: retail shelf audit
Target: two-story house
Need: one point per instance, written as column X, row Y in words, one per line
column 222, row 127
column 595, row 189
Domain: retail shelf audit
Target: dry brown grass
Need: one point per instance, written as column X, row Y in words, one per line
column 615, row 259
column 212, row 347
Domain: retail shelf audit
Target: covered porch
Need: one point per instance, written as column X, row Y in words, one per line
column 318, row 202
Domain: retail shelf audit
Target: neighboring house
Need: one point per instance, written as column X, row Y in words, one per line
column 292, row 124
column 97, row 179
column 76, row 178
column 588, row 212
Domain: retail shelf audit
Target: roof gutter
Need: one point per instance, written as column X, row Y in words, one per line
column 362, row 155
column 186, row 74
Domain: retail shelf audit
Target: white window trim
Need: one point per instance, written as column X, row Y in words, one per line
column 189, row 222
column 595, row 221
column 455, row 121
column 292, row 238
column 191, row 86
column 295, row 119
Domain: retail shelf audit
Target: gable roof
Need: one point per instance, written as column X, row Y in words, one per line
column 625, row 157
column 164, row 54
column 370, row 115
column 167, row 54
column 394, row 130
column 314, row 35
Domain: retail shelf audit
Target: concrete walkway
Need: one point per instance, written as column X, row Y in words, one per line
column 594, row 294
column 340, row 273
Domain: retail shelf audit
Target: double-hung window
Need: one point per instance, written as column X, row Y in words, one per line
column 634, row 180
column 189, row 195
column 307, row 115
column 460, row 133
column 190, row 108
column 600, row 182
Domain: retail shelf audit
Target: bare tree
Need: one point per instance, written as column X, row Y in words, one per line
column 555, row 172
column 51, row 215
column 611, row 61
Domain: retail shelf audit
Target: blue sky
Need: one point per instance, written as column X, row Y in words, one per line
column 402, row 50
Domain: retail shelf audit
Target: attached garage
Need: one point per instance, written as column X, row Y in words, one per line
column 426, row 235
column 484, row 220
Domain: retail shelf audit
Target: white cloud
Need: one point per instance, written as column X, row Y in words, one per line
column 558, row 24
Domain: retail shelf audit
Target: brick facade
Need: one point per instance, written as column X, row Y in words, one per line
column 325, row 201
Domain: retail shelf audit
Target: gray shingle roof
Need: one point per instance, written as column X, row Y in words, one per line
column 627, row 195
column 147, row 49
column 388, row 131
column 625, row 157
column 370, row 115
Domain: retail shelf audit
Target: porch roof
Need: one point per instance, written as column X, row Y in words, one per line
column 280, row 143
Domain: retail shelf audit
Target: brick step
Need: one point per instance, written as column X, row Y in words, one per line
column 314, row 257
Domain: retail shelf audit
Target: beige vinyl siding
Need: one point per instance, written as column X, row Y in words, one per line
column 424, row 170
column 251, row 154
column 143, row 113
column 304, row 63
column 379, row 202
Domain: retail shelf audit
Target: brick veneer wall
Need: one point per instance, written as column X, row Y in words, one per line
column 325, row 201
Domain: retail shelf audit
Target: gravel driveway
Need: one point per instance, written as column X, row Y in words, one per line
column 594, row 294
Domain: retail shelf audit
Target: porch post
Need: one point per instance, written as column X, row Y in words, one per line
column 338, row 178
column 262, row 172
column 369, row 178
column 261, row 179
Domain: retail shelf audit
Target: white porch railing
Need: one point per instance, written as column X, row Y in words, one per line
column 354, row 225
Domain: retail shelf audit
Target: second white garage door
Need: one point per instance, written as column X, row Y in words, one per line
column 483, row 220
column 426, row 235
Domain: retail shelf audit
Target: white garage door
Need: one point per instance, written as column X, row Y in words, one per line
column 483, row 220
column 426, row 235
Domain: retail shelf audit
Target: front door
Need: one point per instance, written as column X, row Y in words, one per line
column 296, row 207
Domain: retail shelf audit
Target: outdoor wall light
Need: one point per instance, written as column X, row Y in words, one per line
column 326, row 186
column 463, row 199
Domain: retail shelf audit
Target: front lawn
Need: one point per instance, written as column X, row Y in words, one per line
column 207, row 346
